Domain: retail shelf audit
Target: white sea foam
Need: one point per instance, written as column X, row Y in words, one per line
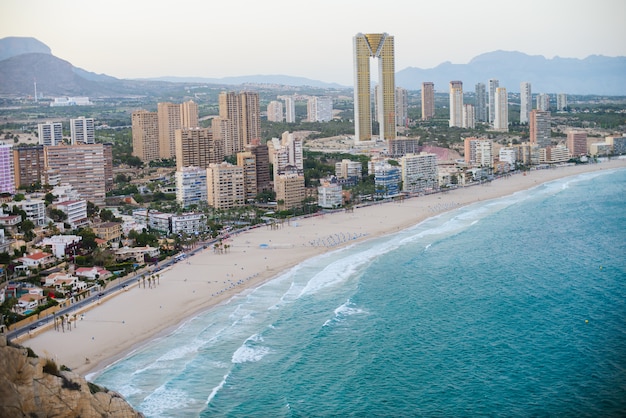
column 162, row 400
column 216, row 389
column 247, row 354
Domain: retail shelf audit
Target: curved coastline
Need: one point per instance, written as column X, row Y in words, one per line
column 117, row 327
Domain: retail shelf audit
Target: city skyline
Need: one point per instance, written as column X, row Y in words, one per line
column 290, row 40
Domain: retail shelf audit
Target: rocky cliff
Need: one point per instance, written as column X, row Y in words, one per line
column 36, row 387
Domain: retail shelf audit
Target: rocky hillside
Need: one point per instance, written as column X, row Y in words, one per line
column 36, row 387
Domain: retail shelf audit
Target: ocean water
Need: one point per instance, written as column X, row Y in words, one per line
column 511, row 307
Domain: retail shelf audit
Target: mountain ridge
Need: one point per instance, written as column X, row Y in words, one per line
column 25, row 60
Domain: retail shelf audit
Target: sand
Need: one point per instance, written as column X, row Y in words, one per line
column 114, row 327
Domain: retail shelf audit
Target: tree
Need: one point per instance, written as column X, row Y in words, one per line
column 88, row 240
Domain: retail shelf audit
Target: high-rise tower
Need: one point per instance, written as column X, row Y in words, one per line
column 366, row 46
column 481, row 102
column 501, row 106
column 428, row 100
column 456, row 104
column 493, row 85
column 526, row 102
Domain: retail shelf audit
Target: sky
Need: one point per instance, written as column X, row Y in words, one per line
column 312, row 39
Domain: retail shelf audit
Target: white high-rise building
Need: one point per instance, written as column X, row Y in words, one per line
column 191, row 186
column 50, row 133
column 419, row 172
column 320, row 109
column 286, row 154
column 7, row 174
column 82, row 131
column 561, row 102
column 402, row 106
column 290, row 108
column 526, row 102
column 456, row 104
column 275, row 111
column 493, row 84
column 543, row 102
column 469, row 116
column 501, row 120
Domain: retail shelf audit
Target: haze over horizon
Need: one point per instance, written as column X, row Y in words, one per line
column 148, row 40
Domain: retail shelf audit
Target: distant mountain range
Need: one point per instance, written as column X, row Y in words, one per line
column 26, row 60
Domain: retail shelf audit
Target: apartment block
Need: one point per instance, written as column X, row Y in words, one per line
column 196, row 147
column 145, row 129
column 247, row 161
column 540, row 128
column 501, row 119
column 419, row 172
column 275, row 111
column 346, row 169
column 28, row 164
column 329, row 195
column 76, row 211
column 225, row 186
column 290, row 191
column 191, row 186
column 478, row 151
column 456, row 104
column 576, row 143
column 7, row 171
column 82, row 131
column 50, row 133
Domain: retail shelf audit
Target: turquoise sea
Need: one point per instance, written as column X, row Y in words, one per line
column 511, row 307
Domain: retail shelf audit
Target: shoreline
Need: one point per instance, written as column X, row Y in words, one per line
column 131, row 319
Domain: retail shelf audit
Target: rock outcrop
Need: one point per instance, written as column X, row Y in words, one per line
column 36, row 387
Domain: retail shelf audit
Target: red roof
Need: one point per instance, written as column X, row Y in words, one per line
column 37, row 256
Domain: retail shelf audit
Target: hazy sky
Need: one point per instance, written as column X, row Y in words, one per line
column 313, row 39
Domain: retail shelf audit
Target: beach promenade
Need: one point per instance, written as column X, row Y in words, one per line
column 113, row 328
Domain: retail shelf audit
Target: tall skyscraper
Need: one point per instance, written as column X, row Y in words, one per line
column 262, row 159
column 493, row 85
column 456, row 104
column 526, row 102
column 82, row 131
column 50, row 133
column 275, row 111
column 7, row 171
column 189, row 114
column 428, row 100
column 319, row 109
column 239, row 121
column 501, row 117
column 561, row 102
column 145, row 129
column 402, row 106
column 543, row 102
column 196, row 147
column 540, row 130
column 169, row 121
column 290, row 109
column 366, row 46
column 28, row 163
column 480, row 108
column 469, row 116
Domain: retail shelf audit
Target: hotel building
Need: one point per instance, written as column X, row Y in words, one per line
column 191, row 186
column 50, row 133
column 196, row 147
column 145, row 129
column 82, row 131
column 526, row 102
column 225, row 186
column 7, row 171
column 456, row 104
column 539, row 127
column 493, row 85
column 428, row 100
column 81, row 166
column 381, row 46
column 501, row 119
column 576, row 143
column 419, row 172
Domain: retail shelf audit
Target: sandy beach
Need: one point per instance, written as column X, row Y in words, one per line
column 114, row 327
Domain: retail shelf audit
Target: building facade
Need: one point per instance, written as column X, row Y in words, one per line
column 225, row 186
column 381, row 47
column 526, row 102
column 28, row 164
column 247, row 161
column 469, row 116
column 196, row 147
column 576, row 143
column 50, row 133
column 275, row 111
column 481, row 102
column 169, row 116
column 478, row 152
column 320, row 109
column 419, row 172
column 145, row 130
column 456, row 104
column 7, row 171
column 501, row 119
column 82, row 131
column 402, row 106
column 492, row 84
column 290, row 191
column 540, row 128
column 428, row 100
column 191, row 186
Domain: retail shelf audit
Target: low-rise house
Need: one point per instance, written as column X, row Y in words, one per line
column 93, row 273
column 10, row 222
column 31, row 300
column 60, row 245
column 109, row 231
column 63, row 282
column 36, row 260
column 136, row 253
